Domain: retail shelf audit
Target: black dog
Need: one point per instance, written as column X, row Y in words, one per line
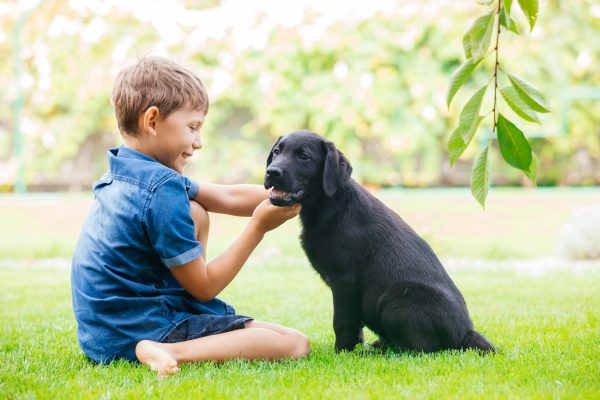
column 381, row 273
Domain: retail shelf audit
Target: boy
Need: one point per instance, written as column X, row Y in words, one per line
column 141, row 286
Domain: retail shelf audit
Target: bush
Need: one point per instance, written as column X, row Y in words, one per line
column 579, row 237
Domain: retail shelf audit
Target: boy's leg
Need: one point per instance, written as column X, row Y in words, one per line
column 277, row 328
column 259, row 340
column 201, row 225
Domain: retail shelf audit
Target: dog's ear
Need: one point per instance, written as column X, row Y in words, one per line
column 336, row 169
column 270, row 158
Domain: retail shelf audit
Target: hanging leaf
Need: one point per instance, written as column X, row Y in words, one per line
column 513, row 145
column 480, row 176
column 467, row 125
column 507, row 22
column 533, row 97
column 530, row 9
column 518, row 105
column 456, row 144
column 459, row 77
column 476, row 41
column 470, row 113
column 533, row 169
column 507, row 5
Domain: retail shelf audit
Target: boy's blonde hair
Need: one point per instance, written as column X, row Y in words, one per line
column 155, row 81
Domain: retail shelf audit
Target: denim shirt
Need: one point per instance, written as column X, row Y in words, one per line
column 139, row 226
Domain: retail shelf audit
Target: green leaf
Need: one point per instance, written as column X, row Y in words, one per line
column 467, row 47
column 470, row 114
column 513, row 145
column 508, row 22
column 456, row 144
column 517, row 104
column 477, row 39
column 533, row 97
column 507, row 5
column 459, row 77
column 533, row 169
column 480, row 176
column 467, row 126
column 530, row 9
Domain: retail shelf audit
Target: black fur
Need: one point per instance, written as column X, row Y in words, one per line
column 381, row 273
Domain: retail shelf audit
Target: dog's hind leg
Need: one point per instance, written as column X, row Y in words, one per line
column 409, row 329
column 476, row 341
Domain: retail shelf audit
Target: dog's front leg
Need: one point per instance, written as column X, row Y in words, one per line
column 346, row 316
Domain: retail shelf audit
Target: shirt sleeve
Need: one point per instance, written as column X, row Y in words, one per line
column 169, row 224
column 191, row 187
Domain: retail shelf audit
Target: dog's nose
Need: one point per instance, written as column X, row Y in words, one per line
column 274, row 172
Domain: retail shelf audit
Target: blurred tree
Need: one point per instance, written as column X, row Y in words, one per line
column 373, row 81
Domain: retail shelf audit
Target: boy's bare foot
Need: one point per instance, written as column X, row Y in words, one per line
column 157, row 358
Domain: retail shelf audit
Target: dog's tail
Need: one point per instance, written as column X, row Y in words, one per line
column 476, row 341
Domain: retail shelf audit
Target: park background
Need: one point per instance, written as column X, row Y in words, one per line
column 372, row 77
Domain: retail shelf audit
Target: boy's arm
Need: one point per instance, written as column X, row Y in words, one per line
column 240, row 200
column 206, row 281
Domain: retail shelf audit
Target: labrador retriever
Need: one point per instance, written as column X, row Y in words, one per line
column 381, row 273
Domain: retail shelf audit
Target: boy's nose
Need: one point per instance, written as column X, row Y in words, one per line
column 197, row 144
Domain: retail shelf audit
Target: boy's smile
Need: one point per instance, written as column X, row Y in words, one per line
column 171, row 140
column 177, row 137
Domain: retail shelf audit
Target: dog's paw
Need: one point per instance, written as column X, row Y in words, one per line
column 344, row 347
column 380, row 344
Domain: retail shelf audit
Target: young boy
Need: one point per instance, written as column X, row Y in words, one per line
column 141, row 284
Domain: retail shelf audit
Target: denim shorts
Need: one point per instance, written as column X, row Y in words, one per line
column 205, row 325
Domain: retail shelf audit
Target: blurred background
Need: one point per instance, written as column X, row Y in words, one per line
column 371, row 76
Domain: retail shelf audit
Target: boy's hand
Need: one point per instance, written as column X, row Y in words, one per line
column 268, row 217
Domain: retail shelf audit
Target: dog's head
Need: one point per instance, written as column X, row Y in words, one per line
column 302, row 165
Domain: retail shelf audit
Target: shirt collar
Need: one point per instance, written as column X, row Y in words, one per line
column 126, row 152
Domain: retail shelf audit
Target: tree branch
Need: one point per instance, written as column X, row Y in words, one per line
column 496, row 67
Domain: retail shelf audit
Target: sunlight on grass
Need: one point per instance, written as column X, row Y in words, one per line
column 516, row 224
column 546, row 320
column 547, row 327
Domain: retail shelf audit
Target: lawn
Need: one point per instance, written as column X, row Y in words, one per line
column 516, row 223
column 545, row 319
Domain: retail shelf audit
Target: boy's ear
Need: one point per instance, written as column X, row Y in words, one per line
column 149, row 118
column 270, row 158
column 336, row 169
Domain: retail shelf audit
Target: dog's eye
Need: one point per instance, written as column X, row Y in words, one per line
column 303, row 156
column 275, row 152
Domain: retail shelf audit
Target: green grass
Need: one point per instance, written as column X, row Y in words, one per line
column 547, row 326
column 517, row 223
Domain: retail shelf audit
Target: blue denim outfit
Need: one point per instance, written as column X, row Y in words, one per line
column 138, row 227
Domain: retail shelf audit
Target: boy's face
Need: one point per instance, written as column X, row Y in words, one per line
column 177, row 137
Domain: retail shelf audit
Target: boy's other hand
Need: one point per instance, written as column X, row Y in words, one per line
column 268, row 217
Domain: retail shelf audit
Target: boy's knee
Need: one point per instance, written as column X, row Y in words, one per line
column 301, row 347
column 199, row 215
column 201, row 222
